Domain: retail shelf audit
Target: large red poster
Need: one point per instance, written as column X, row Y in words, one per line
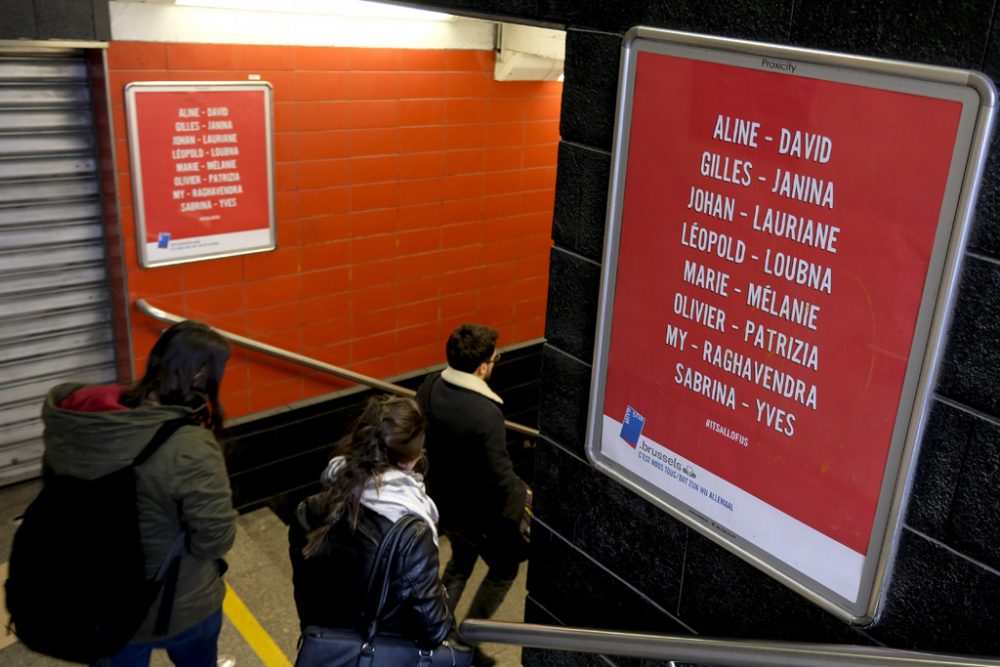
column 201, row 162
column 775, row 239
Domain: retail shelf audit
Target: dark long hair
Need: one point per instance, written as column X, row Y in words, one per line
column 185, row 367
column 389, row 433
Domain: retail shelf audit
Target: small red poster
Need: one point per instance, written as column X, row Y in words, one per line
column 201, row 159
column 780, row 233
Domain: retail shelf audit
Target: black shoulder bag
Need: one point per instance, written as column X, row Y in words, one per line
column 327, row 647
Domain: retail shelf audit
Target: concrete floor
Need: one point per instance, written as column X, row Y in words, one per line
column 261, row 626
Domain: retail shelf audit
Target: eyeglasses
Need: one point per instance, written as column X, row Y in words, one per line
column 496, row 358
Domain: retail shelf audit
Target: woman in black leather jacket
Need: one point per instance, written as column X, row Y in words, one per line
column 371, row 482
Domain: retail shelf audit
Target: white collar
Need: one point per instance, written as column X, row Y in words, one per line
column 470, row 382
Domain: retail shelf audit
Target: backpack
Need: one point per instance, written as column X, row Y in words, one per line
column 77, row 588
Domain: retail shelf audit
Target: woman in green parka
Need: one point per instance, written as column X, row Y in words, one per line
column 93, row 430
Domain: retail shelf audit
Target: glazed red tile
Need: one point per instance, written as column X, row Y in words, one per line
column 318, row 256
column 375, row 141
column 282, row 261
column 182, row 56
column 419, row 241
column 373, row 85
column 423, row 60
column 273, row 291
column 372, row 299
column 421, row 85
column 423, row 191
column 464, row 161
column 421, row 165
column 504, row 158
column 333, row 306
column 370, row 59
column 322, row 115
column 373, row 195
column 421, row 111
column 463, row 186
column 412, row 314
column 467, row 110
column 323, row 144
column 380, row 221
column 373, row 323
column 366, row 249
column 467, row 84
column 420, row 139
column 463, row 61
column 326, row 333
column 374, row 113
column 320, row 58
column 374, row 169
column 318, row 283
column 422, row 289
column 375, row 273
column 213, row 302
column 315, row 174
column 420, row 216
column 269, row 319
column 137, row 55
column 371, row 347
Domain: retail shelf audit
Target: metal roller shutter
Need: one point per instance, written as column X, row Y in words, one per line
column 55, row 315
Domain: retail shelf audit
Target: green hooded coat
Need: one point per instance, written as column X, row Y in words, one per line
column 184, row 485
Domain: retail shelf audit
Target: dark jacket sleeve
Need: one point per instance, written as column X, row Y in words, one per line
column 504, row 484
column 425, row 604
column 203, row 494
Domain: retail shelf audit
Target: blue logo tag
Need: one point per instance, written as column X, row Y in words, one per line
column 164, row 240
column 632, row 426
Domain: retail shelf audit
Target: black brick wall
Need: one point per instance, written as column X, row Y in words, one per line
column 78, row 20
column 603, row 557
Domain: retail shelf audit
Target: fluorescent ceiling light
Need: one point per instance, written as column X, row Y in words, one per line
column 349, row 8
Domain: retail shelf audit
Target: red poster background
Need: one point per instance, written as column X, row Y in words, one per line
column 889, row 162
column 157, row 111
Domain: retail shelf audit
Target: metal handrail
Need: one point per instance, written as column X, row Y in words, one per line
column 163, row 316
column 701, row 650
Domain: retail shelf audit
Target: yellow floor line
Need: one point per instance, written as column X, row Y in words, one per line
column 252, row 632
column 6, row 638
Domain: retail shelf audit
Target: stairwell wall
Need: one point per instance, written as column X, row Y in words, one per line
column 605, row 558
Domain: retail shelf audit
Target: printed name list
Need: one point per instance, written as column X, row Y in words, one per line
column 777, row 303
column 205, row 155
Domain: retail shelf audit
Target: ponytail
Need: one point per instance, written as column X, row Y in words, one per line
column 389, row 433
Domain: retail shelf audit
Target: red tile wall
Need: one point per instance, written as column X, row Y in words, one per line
column 413, row 193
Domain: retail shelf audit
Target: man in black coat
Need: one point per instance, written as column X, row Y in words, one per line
column 470, row 475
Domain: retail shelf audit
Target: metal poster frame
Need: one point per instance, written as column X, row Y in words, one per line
column 977, row 96
column 239, row 246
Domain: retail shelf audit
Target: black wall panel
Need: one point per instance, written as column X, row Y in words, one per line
column 571, row 311
column 936, row 32
column 972, row 357
column 589, row 93
column 18, row 19
column 77, row 20
column 582, row 186
column 986, row 232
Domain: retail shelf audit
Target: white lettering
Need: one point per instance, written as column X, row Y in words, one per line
column 708, row 387
column 815, row 147
column 803, row 188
